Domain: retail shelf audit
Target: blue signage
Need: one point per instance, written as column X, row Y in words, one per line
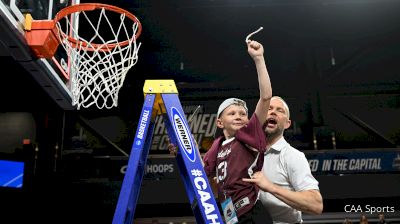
column 11, row 174
column 336, row 162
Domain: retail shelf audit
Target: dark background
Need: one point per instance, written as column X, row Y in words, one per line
column 334, row 61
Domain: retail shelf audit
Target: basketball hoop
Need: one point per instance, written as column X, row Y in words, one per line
column 101, row 54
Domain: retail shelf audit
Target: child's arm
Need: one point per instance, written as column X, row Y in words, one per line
column 256, row 51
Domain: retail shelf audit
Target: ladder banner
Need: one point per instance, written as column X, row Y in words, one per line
column 189, row 162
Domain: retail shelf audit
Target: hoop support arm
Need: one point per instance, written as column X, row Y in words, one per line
column 41, row 36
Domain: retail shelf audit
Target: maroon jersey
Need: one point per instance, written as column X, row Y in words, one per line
column 230, row 161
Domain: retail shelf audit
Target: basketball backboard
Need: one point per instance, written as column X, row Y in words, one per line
column 49, row 73
column 98, row 47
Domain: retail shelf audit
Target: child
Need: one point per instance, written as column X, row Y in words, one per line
column 239, row 152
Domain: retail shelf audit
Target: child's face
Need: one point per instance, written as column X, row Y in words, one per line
column 232, row 119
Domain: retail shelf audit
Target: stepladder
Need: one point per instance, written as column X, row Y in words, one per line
column 161, row 98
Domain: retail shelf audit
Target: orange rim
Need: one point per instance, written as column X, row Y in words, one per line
column 90, row 7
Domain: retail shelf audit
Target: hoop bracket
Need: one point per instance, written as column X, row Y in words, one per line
column 41, row 36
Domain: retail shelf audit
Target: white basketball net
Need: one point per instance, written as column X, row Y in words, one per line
column 98, row 72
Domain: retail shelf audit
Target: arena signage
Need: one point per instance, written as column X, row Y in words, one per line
column 202, row 126
column 356, row 161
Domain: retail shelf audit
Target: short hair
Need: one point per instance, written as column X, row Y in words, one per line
column 284, row 104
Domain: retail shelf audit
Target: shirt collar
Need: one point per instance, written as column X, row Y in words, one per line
column 280, row 144
column 227, row 141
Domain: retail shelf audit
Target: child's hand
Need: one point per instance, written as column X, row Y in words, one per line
column 173, row 150
column 255, row 49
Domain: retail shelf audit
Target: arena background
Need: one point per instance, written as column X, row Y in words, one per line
column 334, row 61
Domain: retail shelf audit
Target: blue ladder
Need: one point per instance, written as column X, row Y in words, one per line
column 161, row 98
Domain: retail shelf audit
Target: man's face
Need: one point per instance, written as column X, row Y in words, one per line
column 277, row 120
